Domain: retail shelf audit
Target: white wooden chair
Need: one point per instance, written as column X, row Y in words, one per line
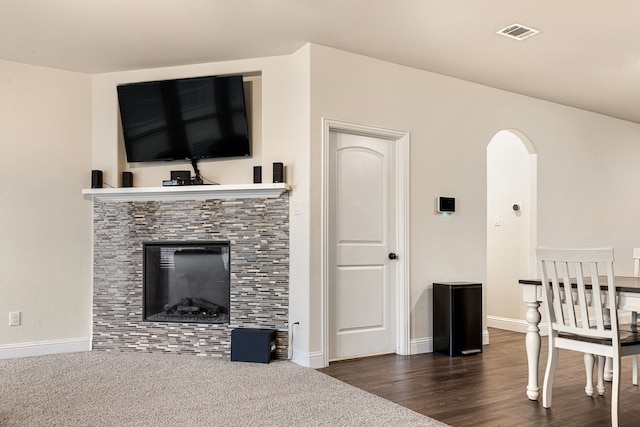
column 633, row 326
column 578, row 320
column 634, row 314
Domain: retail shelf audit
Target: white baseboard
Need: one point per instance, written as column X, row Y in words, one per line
column 39, row 348
column 514, row 325
column 313, row 360
column 421, row 345
column 418, row 345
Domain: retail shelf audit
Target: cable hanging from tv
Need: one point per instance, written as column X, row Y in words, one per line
column 197, row 179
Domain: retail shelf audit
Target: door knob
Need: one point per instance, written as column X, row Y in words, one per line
column 393, row 256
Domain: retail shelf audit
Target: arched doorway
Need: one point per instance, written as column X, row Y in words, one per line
column 511, row 226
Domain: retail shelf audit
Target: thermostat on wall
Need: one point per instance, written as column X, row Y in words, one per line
column 446, row 204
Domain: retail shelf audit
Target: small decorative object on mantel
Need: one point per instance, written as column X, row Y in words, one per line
column 127, row 179
column 96, row 179
column 257, row 174
column 278, row 172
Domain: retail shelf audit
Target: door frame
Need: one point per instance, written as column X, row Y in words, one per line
column 401, row 139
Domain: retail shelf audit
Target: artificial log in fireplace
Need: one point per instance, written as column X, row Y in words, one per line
column 186, row 282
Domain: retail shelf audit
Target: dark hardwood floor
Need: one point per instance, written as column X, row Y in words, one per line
column 489, row 389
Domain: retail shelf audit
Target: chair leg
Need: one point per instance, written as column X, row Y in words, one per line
column 615, row 391
column 634, row 358
column 600, row 386
column 588, row 366
column 547, row 386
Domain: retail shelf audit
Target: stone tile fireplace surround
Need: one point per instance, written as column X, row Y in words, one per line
column 257, row 228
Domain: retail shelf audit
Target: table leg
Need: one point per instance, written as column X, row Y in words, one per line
column 608, row 369
column 608, row 366
column 532, row 344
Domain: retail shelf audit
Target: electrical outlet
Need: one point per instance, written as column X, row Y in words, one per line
column 14, row 318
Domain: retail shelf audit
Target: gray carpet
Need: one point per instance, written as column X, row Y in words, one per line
column 138, row 389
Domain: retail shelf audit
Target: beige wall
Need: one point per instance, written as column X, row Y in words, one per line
column 587, row 175
column 300, row 301
column 45, row 224
column 508, row 232
column 587, row 169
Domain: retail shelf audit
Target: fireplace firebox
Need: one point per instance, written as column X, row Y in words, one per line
column 186, row 282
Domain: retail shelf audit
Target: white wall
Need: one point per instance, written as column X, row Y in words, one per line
column 588, row 180
column 587, row 175
column 45, row 224
column 300, row 301
column 508, row 239
column 587, row 168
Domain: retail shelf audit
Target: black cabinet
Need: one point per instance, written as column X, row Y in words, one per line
column 457, row 318
column 253, row 345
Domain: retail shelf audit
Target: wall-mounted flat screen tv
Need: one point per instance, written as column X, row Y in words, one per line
column 184, row 119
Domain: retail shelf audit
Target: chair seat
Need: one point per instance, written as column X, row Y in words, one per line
column 627, row 337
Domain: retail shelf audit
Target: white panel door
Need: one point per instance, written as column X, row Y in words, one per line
column 362, row 228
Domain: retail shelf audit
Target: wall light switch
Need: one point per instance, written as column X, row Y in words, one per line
column 496, row 221
column 297, row 208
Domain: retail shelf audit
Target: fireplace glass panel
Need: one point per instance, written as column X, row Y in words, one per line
column 186, row 282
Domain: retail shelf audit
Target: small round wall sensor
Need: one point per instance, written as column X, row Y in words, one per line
column 516, row 207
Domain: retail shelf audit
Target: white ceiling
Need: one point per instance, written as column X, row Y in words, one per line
column 587, row 54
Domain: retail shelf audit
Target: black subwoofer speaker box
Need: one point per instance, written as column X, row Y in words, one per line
column 96, row 179
column 257, row 174
column 278, row 172
column 127, row 179
column 253, row 345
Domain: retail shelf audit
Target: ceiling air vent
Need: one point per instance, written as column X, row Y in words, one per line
column 518, row 31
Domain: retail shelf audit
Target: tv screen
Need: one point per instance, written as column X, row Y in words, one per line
column 193, row 118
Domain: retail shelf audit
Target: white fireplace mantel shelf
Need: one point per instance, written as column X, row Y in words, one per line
column 189, row 192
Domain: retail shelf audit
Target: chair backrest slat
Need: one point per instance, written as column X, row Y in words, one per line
column 583, row 300
column 557, row 296
column 568, row 295
column 596, row 291
column 579, row 290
